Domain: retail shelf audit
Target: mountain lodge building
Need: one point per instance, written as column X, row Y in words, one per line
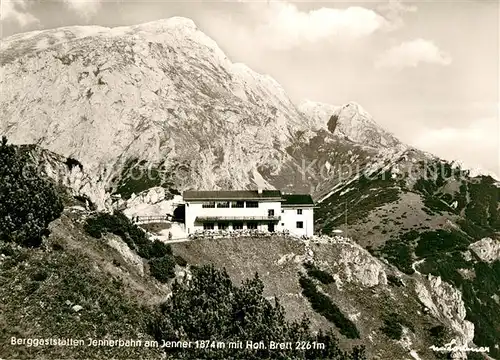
column 269, row 210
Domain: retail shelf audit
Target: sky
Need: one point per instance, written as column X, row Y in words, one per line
column 427, row 71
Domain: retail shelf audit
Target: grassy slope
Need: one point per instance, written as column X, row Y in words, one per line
column 35, row 285
column 243, row 257
column 305, row 171
column 413, row 222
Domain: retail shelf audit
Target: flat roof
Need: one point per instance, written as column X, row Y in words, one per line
column 297, row 199
column 276, row 195
column 232, row 195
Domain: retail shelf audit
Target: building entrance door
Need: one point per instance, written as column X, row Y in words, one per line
column 270, row 227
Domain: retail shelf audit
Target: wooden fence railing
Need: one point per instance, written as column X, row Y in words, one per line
column 153, row 218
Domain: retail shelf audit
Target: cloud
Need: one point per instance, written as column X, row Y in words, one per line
column 393, row 11
column 465, row 144
column 411, row 53
column 285, row 26
column 84, row 8
column 16, row 10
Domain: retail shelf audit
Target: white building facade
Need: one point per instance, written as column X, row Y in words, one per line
column 266, row 210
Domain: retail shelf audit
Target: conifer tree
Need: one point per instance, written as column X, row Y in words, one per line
column 28, row 202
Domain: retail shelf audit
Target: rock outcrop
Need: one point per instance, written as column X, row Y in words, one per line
column 161, row 92
column 128, row 255
column 444, row 302
column 80, row 180
column 351, row 121
column 487, row 249
column 355, row 264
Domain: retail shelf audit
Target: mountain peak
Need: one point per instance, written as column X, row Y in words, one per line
column 355, row 108
column 350, row 120
column 176, row 22
column 153, row 92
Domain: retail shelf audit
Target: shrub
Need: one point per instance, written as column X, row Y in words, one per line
column 39, row 276
column 162, row 268
column 57, row 246
column 318, row 274
column 121, row 226
column 323, row 305
column 438, row 335
column 392, row 329
column 180, row 260
column 438, row 241
column 393, row 326
column 7, row 250
column 394, row 280
column 160, row 249
column 211, row 307
column 28, row 202
column 370, row 192
column 71, row 163
column 31, row 299
column 138, row 176
column 398, row 254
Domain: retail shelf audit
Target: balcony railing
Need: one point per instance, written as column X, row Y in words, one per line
column 237, row 218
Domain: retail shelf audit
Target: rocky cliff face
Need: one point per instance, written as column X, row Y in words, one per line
column 71, row 174
column 351, row 121
column 163, row 95
column 487, row 249
column 445, row 302
column 162, row 92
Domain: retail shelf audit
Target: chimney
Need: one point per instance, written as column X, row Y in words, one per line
column 259, row 190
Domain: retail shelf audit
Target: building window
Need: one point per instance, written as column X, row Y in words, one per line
column 282, row 211
column 237, row 226
column 282, row 224
column 252, row 204
column 299, row 211
column 238, row 204
column 270, row 212
column 222, row 226
column 208, row 226
column 300, row 224
column 223, row 204
column 209, row 204
column 252, row 226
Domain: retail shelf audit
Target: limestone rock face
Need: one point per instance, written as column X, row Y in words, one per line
column 487, row 249
column 356, row 264
column 319, row 113
column 349, row 120
column 80, row 180
column 445, row 303
column 160, row 92
column 131, row 257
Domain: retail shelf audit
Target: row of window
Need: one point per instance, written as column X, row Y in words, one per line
column 299, row 211
column 225, row 226
column 239, row 204
column 232, row 204
column 239, row 225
